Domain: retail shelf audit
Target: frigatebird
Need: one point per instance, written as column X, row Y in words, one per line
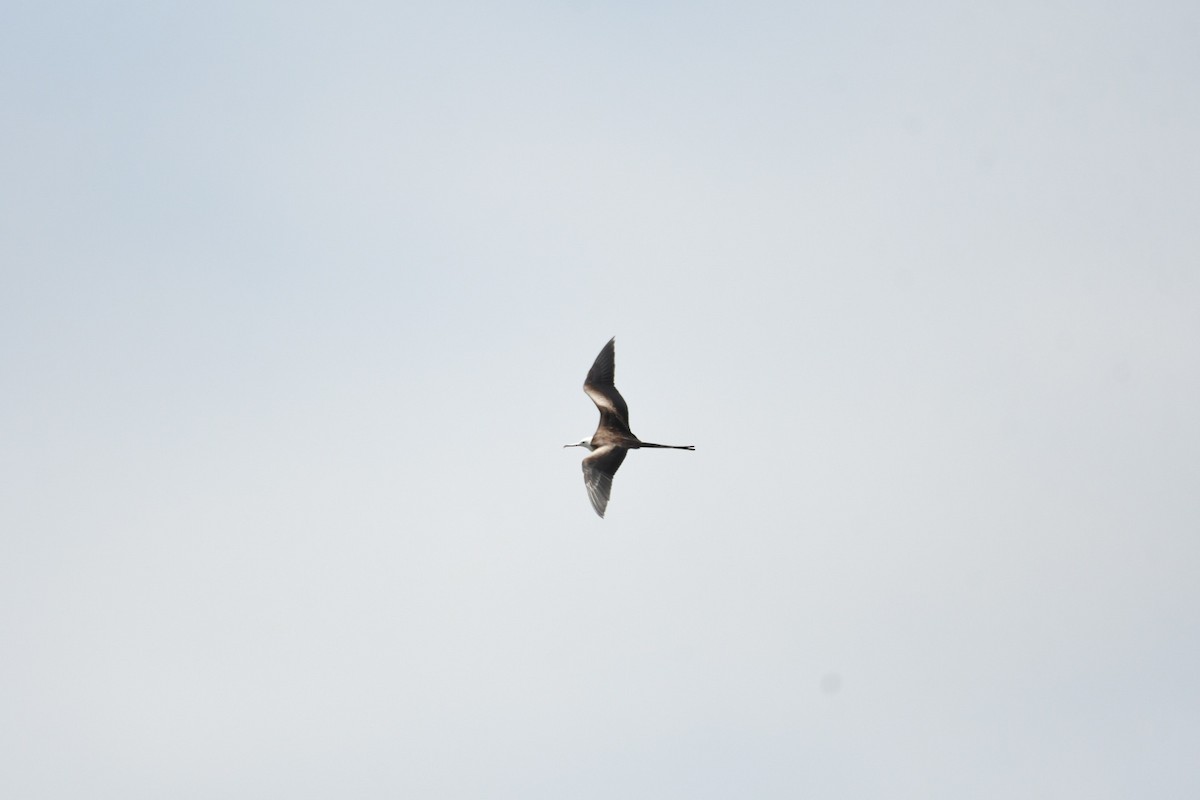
column 612, row 439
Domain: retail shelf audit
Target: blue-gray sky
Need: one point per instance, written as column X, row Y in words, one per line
column 295, row 304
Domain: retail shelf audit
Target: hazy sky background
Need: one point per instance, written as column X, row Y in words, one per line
column 295, row 304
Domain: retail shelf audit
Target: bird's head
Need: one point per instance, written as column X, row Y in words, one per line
column 584, row 443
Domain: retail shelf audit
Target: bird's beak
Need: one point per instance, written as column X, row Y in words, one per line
column 572, row 445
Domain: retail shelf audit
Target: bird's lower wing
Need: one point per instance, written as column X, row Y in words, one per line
column 598, row 471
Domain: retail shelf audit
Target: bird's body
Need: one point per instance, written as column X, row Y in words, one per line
column 613, row 438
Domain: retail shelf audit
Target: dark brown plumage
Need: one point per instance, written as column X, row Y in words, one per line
column 613, row 439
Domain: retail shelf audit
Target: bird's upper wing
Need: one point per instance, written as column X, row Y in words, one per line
column 599, row 385
column 598, row 470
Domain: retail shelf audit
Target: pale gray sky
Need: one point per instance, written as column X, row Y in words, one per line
column 295, row 304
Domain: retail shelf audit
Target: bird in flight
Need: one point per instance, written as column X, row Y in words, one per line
column 612, row 439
